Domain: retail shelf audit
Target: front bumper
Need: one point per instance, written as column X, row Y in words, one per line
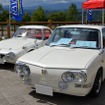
column 50, row 81
column 43, row 87
column 5, row 56
column 4, row 59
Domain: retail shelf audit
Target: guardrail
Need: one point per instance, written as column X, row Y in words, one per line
column 8, row 28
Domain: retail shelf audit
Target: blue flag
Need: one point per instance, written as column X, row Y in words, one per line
column 90, row 15
column 16, row 9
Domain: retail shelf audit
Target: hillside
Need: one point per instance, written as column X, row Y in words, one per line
column 50, row 7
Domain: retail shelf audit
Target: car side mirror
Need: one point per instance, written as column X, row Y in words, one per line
column 101, row 51
column 36, row 46
column 35, row 40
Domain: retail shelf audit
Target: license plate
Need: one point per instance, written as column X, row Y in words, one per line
column 42, row 89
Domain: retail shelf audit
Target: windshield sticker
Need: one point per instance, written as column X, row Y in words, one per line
column 86, row 43
column 61, row 41
column 64, row 41
column 75, row 32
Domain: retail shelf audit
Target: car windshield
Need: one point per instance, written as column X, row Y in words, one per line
column 30, row 33
column 19, row 32
column 75, row 38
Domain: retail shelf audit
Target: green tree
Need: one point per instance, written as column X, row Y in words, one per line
column 26, row 17
column 1, row 8
column 57, row 16
column 72, row 13
column 4, row 15
column 38, row 15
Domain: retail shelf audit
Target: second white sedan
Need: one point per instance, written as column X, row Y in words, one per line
column 24, row 40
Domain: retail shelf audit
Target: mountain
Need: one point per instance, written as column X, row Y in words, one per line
column 49, row 7
column 57, row 6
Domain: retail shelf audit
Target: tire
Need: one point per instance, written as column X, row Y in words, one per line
column 97, row 85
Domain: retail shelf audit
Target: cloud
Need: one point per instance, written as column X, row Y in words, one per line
column 40, row 2
column 4, row 2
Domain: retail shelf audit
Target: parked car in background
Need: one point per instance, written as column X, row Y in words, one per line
column 24, row 40
column 72, row 62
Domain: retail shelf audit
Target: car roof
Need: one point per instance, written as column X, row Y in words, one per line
column 35, row 26
column 83, row 26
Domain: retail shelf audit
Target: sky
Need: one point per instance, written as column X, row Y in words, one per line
column 40, row 2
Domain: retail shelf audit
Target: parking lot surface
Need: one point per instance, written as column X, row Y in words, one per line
column 14, row 92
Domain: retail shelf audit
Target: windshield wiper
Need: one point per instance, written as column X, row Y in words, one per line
column 62, row 44
column 18, row 36
column 84, row 47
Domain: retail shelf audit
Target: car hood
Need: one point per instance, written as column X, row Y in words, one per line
column 50, row 57
column 15, row 43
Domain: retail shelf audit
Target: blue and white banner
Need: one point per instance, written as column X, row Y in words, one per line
column 16, row 9
column 90, row 15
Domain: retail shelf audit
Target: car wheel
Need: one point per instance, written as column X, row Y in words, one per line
column 97, row 85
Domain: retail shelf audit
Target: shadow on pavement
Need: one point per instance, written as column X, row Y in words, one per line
column 7, row 66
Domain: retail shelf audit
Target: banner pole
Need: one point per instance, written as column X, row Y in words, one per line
column 82, row 15
column 103, row 16
column 9, row 23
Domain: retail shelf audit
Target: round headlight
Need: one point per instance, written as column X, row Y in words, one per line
column 18, row 69
column 80, row 77
column 68, row 77
column 22, row 70
column 26, row 70
column 10, row 55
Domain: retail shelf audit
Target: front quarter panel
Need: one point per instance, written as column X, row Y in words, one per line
column 29, row 47
column 92, row 67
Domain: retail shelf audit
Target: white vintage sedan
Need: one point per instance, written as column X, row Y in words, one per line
column 24, row 40
column 72, row 62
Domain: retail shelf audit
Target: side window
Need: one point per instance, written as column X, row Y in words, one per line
column 38, row 34
column 47, row 33
column 103, row 33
